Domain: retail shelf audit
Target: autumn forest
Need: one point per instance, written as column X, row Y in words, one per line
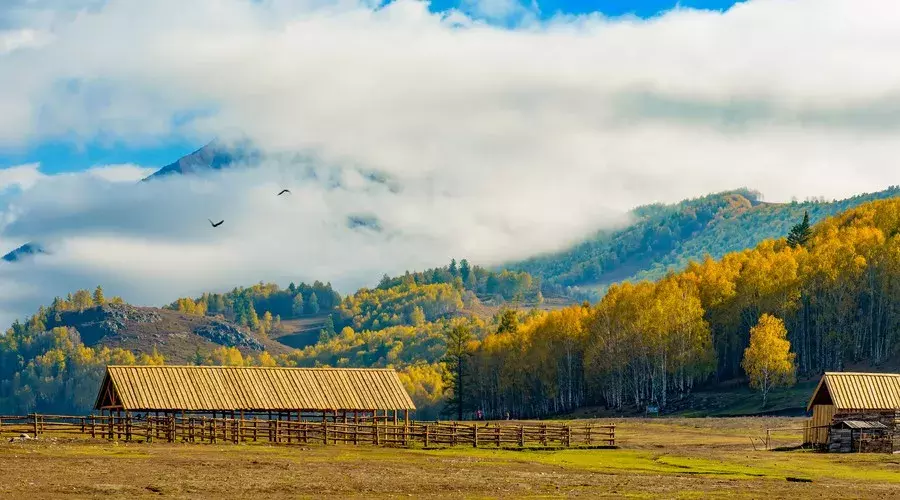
column 466, row 338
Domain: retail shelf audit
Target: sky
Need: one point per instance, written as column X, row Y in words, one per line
column 504, row 129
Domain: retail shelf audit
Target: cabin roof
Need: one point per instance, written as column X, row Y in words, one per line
column 849, row 391
column 215, row 388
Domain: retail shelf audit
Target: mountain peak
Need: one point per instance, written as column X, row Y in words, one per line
column 216, row 155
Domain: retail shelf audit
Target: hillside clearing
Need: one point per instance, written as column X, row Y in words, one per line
column 662, row 458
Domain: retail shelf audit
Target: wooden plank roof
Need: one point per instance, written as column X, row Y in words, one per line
column 849, row 391
column 224, row 388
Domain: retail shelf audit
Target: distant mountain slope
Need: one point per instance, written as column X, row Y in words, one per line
column 23, row 251
column 668, row 236
column 214, row 156
column 175, row 335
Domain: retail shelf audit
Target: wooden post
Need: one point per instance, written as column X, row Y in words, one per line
column 324, row 431
column 543, row 434
column 426, row 435
column 589, row 434
column 521, row 436
column 255, row 427
column 34, row 426
column 475, row 435
column 93, row 427
column 568, row 436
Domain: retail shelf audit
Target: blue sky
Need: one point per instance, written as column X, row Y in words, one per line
column 62, row 156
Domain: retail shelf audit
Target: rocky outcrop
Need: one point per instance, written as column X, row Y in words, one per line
column 227, row 334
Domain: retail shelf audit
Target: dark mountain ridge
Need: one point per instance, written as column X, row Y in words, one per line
column 667, row 237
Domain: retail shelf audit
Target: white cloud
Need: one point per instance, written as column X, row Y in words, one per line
column 505, row 141
column 121, row 173
column 21, row 176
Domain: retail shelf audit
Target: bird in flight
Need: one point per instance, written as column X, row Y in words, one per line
column 216, row 224
column 283, row 191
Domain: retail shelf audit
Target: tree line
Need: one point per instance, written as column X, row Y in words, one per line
column 834, row 287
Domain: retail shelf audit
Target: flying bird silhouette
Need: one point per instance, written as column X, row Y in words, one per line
column 216, row 224
column 283, row 191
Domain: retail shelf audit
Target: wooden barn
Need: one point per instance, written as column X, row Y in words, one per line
column 348, row 394
column 855, row 412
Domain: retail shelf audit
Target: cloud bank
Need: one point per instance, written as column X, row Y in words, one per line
column 505, row 140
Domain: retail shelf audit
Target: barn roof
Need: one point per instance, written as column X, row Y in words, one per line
column 214, row 388
column 858, row 391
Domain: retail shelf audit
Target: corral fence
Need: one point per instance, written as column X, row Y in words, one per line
column 195, row 429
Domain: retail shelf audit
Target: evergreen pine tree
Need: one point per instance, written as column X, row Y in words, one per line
column 327, row 332
column 297, row 306
column 464, row 270
column 800, row 233
column 456, row 367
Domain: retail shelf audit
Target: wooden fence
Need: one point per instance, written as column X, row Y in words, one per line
column 191, row 429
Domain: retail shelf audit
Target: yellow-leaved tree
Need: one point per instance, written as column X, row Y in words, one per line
column 768, row 361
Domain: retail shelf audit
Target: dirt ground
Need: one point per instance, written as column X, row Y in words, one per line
column 660, row 458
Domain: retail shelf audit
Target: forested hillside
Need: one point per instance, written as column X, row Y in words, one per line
column 837, row 292
column 54, row 359
column 836, row 289
column 666, row 237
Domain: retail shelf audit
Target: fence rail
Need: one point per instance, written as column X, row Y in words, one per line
column 195, row 429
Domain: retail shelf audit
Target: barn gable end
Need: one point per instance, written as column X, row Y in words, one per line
column 855, row 412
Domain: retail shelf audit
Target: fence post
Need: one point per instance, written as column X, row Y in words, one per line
column 426, row 435
column 543, row 434
column 568, row 436
column 35, row 424
column 521, row 436
column 475, row 435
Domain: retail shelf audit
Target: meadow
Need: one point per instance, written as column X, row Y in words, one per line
column 656, row 458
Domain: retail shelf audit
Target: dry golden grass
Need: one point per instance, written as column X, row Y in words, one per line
column 662, row 458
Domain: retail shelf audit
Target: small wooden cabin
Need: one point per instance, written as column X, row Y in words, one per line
column 290, row 393
column 850, row 409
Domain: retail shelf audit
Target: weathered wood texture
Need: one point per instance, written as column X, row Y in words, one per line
column 232, row 389
column 201, row 429
column 818, row 425
column 861, row 397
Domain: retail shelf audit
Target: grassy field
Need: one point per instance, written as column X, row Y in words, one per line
column 660, row 458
